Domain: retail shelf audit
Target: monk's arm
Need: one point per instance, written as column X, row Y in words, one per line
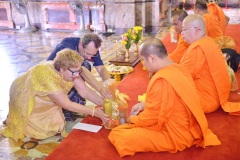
column 178, row 52
column 149, row 116
column 193, row 60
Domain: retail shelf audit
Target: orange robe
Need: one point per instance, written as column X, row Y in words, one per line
column 213, row 26
column 218, row 12
column 206, row 64
column 177, row 54
column 171, row 121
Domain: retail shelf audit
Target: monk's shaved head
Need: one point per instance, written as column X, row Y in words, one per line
column 153, row 46
column 193, row 28
column 201, row 4
column 154, row 55
column 180, row 13
column 196, row 20
column 177, row 19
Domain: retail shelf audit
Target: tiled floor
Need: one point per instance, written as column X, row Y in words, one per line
column 19, row 52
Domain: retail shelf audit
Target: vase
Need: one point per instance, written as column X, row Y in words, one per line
column 136, row 49
column 127, row 55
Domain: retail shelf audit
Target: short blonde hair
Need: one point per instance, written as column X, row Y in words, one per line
column 67, row 58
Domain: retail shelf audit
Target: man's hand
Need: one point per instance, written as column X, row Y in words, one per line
column 105, row 93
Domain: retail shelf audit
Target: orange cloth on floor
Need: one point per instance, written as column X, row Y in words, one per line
column 207, row 66
column 213, row 26
column 177, row 54
column 218, row 12
column 171, row 121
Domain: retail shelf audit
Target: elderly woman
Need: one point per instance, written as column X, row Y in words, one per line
column 38, row 96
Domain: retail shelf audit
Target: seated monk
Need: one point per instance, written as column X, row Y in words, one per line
column 176, row 20
column 172, row 118
column 213, row 26
column 206, row 63
column 218, row 12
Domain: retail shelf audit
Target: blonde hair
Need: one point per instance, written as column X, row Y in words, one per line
column 67, row 58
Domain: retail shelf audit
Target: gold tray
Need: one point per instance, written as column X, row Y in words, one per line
column 130, row 69
column 118, row 76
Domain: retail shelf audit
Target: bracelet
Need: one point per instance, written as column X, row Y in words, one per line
column 93, row 111
column 29, row 145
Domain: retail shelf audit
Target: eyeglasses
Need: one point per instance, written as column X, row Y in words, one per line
column 88, row 54
column 185, row 29
column 74, row 73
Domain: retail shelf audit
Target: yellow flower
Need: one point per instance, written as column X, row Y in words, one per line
column 137, row 33
column 124, row 42
column 127, row 38
column 134, row 34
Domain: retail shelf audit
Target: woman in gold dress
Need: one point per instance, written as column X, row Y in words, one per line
column 38, row 96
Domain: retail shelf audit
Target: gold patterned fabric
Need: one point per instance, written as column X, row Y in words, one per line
column 31, row 112
column 225, row 42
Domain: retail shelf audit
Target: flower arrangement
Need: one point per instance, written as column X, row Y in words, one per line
column 127, row 38
column 132, row 35
column 136, row 34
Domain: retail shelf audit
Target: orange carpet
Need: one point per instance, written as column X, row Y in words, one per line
column 91, row 146
column 234, row 32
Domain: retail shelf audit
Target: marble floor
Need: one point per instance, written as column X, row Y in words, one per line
column 19, row 52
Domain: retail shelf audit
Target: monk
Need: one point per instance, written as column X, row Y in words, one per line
column 206, row 63
column 172, row 118
column 176, row 20
column 213, row 26
column 213, row 8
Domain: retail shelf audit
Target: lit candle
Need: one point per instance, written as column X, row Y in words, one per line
column 116, row 48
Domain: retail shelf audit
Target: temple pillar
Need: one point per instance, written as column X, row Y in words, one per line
column 6, row 14
column 124, row 14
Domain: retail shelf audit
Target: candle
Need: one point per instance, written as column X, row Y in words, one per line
column 108, row 107
column 116, row 48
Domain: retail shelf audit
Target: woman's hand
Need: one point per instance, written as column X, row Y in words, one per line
column 137, row 108
column 100, row 114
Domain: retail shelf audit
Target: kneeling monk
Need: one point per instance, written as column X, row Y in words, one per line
column 171, row 118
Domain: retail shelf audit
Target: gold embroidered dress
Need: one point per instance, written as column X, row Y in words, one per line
column 31, row 112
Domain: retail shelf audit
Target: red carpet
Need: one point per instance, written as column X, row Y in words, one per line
column 91, row 146
column 234, row 32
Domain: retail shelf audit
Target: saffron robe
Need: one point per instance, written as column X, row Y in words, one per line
column 172, row 120
column 178, row 52
column 31, row 112
column 206, row 63
column 218, row 12
column 213, row 26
